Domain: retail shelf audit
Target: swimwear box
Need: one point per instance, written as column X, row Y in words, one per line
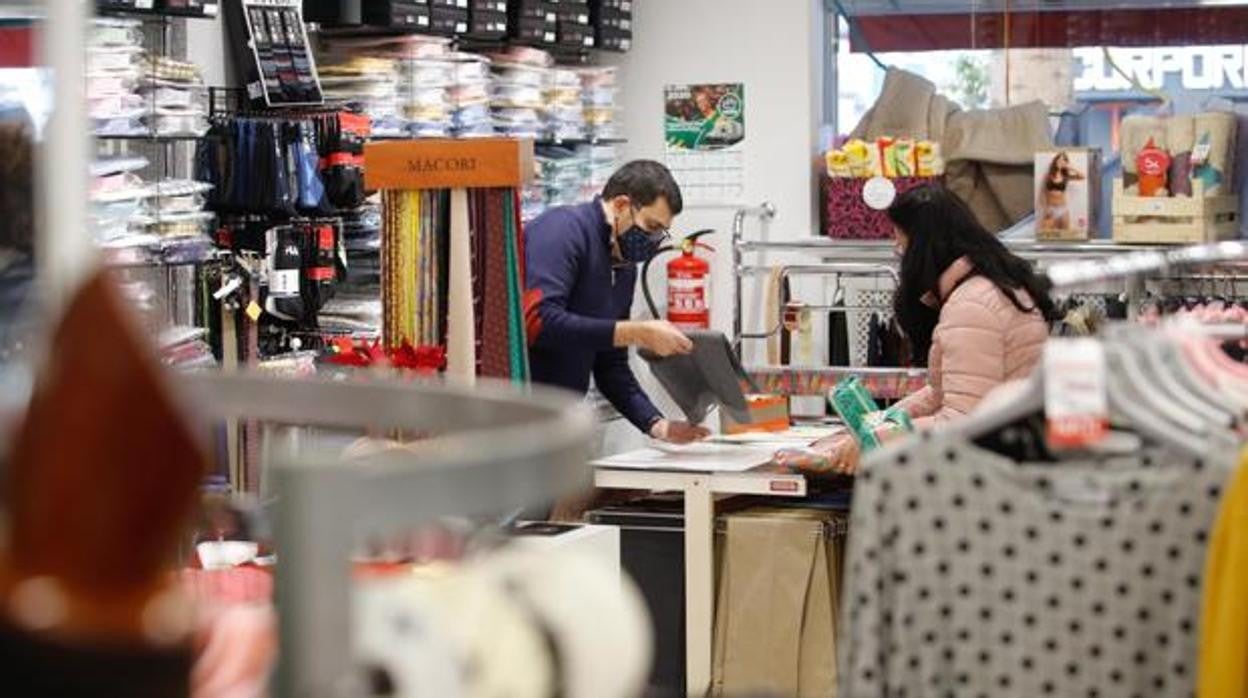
column 1068, row 193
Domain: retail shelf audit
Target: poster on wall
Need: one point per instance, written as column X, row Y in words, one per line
column 704, row 131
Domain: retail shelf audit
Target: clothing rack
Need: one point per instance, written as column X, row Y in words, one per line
column 884, row 383
column 233, row 101
column 1139, row 264
column 1070, row 266
column 498, row 450
column 837, row 269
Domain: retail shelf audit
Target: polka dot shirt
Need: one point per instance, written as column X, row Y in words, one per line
column 970, row 575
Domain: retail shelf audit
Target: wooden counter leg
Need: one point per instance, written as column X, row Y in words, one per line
column 699, row 584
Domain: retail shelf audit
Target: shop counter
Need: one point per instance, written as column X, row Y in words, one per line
column 702, row 473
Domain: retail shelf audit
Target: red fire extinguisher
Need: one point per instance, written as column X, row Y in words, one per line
column 688, row 285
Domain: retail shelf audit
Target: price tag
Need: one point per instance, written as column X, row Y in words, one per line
column 879, row 193
column 1200, row 154
column 1076, row 399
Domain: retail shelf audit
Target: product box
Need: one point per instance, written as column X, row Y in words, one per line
column 535, row 10
column 572, row 14
column 447, row 21
column 190, row 8
column 846, row 214
column 613, row 19
column 487, row 24
column 389, row 13
column 534, row 31
column 126, row 5
column 768, row 413
column 619, row 40
column 575, row 35
column 487, row 6
column 1068, row 193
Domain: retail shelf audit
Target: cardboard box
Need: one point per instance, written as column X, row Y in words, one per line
column 767, row 413
column 1068, row 193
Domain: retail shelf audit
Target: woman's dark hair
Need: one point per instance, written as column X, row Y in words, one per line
column 940, row 229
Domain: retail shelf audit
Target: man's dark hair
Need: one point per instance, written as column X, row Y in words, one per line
column 17, row 216
column 644, row 181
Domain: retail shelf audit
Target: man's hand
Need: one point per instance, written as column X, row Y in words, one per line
column 678, row 432
column 656, row 336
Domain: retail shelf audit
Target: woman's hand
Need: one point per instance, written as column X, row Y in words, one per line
column 837, row 454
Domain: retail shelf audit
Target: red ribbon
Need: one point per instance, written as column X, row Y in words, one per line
column 423, row 360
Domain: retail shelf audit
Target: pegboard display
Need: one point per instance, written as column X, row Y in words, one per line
column 861, row 295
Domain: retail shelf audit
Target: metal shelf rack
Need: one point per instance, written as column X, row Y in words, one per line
column 498, row 448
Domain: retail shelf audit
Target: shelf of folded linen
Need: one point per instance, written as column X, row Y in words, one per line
column 564, row 112
column 600, row 102
column 401, row 82
column 137, row 222
column 134, row 95
column 469, row 95
column 175, row 98
column 115, row 62
column 185, row 348
column 518, row 92
column 369, row 85
column 563, row 174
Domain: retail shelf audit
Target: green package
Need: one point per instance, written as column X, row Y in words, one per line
column 861, row 415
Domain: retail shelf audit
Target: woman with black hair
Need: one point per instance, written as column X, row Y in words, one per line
column 979, row 313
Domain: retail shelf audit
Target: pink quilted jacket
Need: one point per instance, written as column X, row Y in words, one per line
column 981, row 341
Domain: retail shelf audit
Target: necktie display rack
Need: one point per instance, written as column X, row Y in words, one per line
column 452, row 249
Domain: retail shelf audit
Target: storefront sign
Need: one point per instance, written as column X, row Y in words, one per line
column 1222, row 68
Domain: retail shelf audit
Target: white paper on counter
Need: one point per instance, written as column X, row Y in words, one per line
column 732, row 460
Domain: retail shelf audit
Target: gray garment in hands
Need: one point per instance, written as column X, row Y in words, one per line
column 707, row 376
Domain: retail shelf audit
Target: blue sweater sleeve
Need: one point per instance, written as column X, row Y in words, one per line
column 552, row 261
column 614, row 378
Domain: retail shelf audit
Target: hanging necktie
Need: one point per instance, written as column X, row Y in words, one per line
column 460, row 339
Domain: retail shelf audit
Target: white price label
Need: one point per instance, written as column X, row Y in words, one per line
column 1076, row 398
column 879, row 193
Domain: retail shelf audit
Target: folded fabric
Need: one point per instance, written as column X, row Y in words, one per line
column 1215, row 135
column 1181, row 138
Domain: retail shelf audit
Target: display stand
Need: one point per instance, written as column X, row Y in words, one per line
column 457, row 165
column 499, row 449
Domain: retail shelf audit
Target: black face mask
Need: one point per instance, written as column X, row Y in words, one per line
column 636, row 244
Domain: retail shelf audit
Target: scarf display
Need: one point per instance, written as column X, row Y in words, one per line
column 452, row 266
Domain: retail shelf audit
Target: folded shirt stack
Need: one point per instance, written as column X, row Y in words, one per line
column 470, row 96
column 369, row 84
column 138, row 221
column 518, row 92
column 563, row 172
column 175, row 97
column 427, row 103
column 599, row 99
column 564, row 112
column 115, row 65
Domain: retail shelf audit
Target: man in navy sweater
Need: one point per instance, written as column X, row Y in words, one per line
column 582, row 269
